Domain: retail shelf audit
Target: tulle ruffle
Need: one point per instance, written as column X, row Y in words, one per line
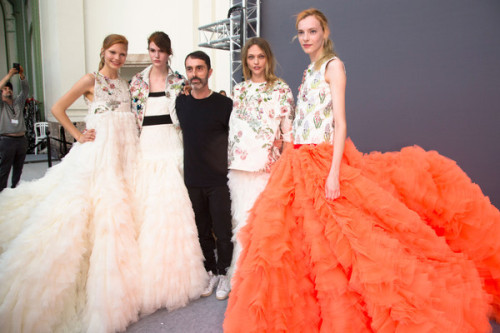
column 245, row 187
column 446, row 199
column 172, row 266
column 69, row 258
column 363, row 263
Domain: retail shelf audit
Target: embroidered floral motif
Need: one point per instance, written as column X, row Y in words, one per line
column 139, row 89
column 108, row 106
column 260, row 115
column 111, row 94
column 322, row 96
column 317, row 120
column 328, row 132
column 306, row 131
column 314, row 121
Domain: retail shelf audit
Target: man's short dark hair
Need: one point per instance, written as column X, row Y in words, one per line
column 8, row 84
column 199, row 55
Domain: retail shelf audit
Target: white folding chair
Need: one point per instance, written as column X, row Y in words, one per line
column 40, row 133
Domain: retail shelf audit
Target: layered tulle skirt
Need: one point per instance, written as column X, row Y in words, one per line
column 445, row 198
column 368, row 261
column 172, row 270
column 245, row 187
column 69, row 256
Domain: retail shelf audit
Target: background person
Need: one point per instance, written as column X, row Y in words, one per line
column 13, row 143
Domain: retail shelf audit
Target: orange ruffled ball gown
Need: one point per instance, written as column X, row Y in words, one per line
column 447, row 200
column 373, row 260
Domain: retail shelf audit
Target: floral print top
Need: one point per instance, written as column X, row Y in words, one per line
column 314, row 121
column 109, row 95
column 260, row 116
column 139, row 90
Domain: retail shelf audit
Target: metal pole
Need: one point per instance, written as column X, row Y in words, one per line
column 49, row 149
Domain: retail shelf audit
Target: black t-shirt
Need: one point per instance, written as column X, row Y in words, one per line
column 205, row 129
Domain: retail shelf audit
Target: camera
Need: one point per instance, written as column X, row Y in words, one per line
column 17, row 67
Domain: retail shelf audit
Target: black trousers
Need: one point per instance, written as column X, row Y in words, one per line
column 212, row 209
column 12, row 155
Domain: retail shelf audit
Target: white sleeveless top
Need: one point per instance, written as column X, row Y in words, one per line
column 314, row 122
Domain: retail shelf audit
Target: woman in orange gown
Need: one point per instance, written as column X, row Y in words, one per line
column 361, row 251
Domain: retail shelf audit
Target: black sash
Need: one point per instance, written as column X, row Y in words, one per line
column 157, row 120
column 156, row 94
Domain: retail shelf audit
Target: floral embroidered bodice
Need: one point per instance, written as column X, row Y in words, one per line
column 314, row 122
column 139, row 90
column 109, row 95
column 260, row 116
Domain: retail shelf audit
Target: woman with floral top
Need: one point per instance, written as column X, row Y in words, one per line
column 69, row 256
column 172, row 269
column 259, row 128
column 339, row 241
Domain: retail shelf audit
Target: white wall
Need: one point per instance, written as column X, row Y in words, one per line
column 73, row 30
column 63, row 50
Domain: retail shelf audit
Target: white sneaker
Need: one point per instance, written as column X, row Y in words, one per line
column 212, row 281
column 223, row 288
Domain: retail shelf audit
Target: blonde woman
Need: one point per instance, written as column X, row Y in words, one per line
column 329, row 247
column 260, row 127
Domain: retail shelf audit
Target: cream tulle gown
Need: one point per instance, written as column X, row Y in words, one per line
column 172, row 267
column 69, row 256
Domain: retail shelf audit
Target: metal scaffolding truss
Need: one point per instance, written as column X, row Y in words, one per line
column 230, row 34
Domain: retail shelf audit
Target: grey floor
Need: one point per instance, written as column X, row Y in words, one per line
column 203, row 315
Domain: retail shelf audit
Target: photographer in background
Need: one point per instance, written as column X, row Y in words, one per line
column 13, row 143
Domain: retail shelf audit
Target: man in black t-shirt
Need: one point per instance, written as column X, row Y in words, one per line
column 204, row 119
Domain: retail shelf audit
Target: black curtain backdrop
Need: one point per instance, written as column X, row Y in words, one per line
column 421, row 73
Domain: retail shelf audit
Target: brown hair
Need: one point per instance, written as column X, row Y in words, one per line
column 270, row 60
column 328, row 47
column 161, row 40
column 109, row 41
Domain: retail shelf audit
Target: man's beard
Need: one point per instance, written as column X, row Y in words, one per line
column 200, row 82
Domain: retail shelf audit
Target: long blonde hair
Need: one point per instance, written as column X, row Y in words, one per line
column 263, row 44
column 328, row 47
column 109, row 41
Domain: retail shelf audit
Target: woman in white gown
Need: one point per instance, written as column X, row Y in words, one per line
column 69, row 256
column 172, row 270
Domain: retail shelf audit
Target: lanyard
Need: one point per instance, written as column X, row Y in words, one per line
column 11, row 108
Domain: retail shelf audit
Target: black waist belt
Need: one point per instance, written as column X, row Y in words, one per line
column 157, row 120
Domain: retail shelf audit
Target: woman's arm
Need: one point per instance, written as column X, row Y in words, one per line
column 84, row 86
column 336, row 78
column 286, row 108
